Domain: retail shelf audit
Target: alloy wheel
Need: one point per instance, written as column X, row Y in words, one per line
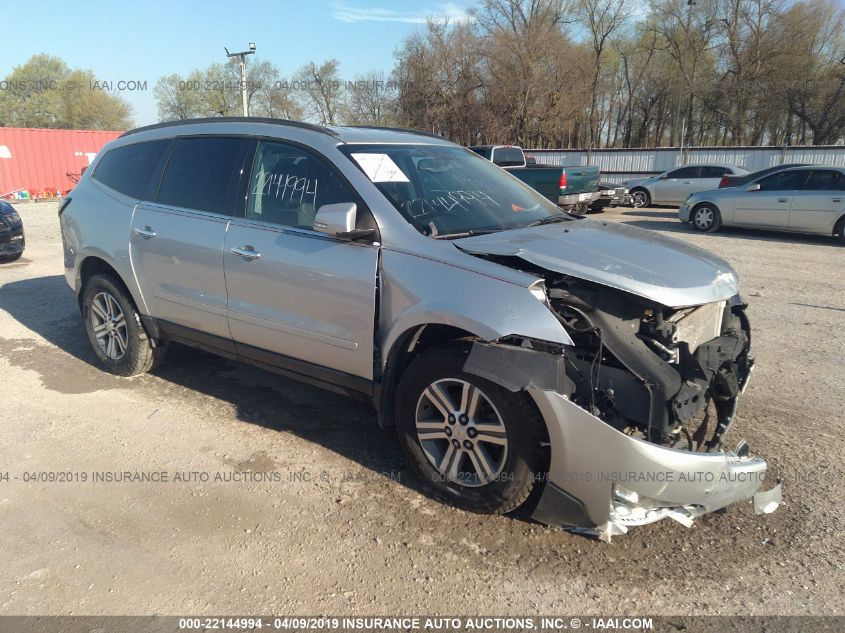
column 109, row 325
column 639, row 199
column 461, row 433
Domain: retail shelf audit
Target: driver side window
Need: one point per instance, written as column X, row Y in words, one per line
column 782, row 181
column 288, row 184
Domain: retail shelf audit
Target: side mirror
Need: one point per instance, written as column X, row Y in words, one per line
column 664, row 176
column 336, row 219
column 754, row 187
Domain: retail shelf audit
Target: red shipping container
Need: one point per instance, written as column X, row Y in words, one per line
column 46, row 162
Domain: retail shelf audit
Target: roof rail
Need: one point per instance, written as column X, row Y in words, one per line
column 234, row 119
column 396, row 129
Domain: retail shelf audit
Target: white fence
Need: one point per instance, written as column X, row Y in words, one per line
column 618, row 165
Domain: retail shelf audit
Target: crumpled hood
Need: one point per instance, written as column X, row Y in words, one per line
column 638, row 261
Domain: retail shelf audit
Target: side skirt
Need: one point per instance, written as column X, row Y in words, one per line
column 303, row 371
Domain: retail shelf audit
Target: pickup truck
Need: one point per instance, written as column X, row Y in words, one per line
column 575, row 187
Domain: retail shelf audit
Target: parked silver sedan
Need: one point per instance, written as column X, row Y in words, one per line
column 802, row 199
column 673, row 187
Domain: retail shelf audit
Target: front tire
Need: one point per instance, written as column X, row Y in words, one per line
column 114, row 329
column 473, row 443
column 640, row 198
column 706, row 218
column 10, row 258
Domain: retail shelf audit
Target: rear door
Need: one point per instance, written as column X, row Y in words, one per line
column 770, row 205
column 677, row 185
column 819, row 203
column 298, row 298
column 709, row 178
column 176, row 241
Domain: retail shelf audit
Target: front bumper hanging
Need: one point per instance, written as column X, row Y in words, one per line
column 602, row 481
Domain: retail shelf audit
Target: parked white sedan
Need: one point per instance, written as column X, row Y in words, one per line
column 802, row 199
column 673, row 187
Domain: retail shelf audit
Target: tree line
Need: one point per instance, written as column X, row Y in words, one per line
column 595, row 73
column 540, row 73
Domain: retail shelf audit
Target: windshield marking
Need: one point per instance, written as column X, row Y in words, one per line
column 447, row 201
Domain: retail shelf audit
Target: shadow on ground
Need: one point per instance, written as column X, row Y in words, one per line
column 348, row 427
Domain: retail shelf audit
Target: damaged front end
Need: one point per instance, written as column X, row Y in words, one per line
column 637, row 408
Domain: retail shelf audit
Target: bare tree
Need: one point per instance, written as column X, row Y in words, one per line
column 372, row 99
column 603, row 18
column 319, row 89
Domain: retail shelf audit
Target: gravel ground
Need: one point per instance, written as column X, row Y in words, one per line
column 346, row 530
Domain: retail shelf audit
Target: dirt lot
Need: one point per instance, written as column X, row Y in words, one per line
column 335, row 534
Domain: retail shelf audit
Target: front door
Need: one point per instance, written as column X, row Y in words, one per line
column 296, row 297
column 769, row 205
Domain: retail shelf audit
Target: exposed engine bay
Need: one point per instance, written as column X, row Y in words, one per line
column 650, row 371
column 670, row 376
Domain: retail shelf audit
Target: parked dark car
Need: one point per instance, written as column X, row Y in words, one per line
column 11, row 233
column 610, row 195
column 737, row 180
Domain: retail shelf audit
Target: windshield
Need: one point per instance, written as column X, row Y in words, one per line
column 449, row 191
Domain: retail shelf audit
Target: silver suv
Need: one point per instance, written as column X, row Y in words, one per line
column 528, row 358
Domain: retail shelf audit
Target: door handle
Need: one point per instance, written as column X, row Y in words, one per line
column 783, row 199
column 247, row 252
column 146, row 232
column 688, row 182
column 837, row 199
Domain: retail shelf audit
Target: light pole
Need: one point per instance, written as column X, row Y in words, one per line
column 684, row 71
column 242, row 55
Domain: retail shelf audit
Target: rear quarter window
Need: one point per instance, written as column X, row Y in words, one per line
column 128, row 169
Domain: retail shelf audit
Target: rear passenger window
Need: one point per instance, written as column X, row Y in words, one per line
column 289, row 184
column 128, row 169
column 823, row 181
column 713, row 172
column 200, row 172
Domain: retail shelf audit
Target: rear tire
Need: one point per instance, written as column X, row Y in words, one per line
column 840, row 231
column 640, row 198
column 705, row 217
column 114, row 328
column 471, row 442
column 10, row 258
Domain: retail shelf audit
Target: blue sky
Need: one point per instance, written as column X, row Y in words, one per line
column 142, row 40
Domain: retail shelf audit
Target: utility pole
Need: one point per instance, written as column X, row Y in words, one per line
column 242, row 55
column 681, row 118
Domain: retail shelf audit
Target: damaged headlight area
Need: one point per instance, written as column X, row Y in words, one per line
column 653, row 372
column 636, row 407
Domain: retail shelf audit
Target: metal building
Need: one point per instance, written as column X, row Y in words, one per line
column 43, row 163
column 619, row 165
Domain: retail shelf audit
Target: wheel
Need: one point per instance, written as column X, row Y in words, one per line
column 840, row 231
column 706, row 217
column 10, row 258
column 114, row 328
column 473, row 443
column 640, row 198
